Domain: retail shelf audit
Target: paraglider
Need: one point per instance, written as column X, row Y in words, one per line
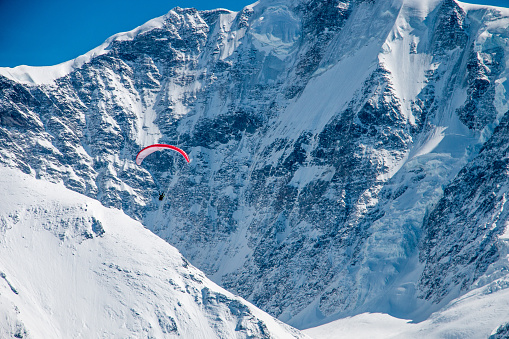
column 157, row 147
column 154, row 148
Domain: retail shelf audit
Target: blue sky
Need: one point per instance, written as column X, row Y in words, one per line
column 48, row 32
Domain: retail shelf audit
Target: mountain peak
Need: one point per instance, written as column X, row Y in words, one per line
column 330, row 142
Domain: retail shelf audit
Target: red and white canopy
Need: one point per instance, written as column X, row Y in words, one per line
column 157, row 147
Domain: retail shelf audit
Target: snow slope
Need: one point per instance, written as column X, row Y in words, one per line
column 71, row 268
column 478, row 314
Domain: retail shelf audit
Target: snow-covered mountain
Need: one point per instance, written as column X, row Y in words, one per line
column 347, row 156
column 72, row 268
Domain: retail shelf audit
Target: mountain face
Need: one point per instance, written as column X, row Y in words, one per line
column 65, row 274
column 347, row 156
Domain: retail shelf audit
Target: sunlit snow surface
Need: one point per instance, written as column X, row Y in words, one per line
column 71, row 268
column 477, row 314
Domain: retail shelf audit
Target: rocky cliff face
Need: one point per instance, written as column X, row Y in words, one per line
column 343, row 152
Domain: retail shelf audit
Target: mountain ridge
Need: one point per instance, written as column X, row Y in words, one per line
column 322, row 166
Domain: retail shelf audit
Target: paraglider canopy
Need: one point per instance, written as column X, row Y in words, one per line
column 158, row 147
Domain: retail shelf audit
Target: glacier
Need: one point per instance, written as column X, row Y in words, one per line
column 348, row 157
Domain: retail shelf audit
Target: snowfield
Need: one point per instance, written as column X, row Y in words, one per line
column 476, row 315
column 71, row 268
